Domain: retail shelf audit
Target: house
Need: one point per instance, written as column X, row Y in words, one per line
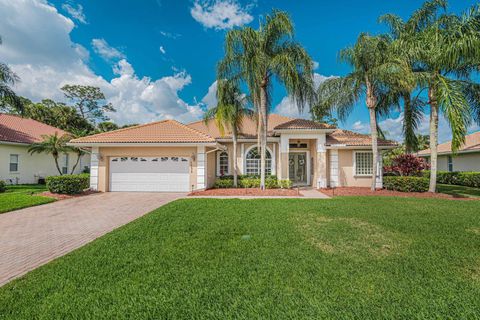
column 170, row 156
column 467, row 157
column 17, row 165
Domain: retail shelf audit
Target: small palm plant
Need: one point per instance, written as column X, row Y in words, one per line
column 258, row 57
column 51, row 144
column 377, row 75
column 229, row 114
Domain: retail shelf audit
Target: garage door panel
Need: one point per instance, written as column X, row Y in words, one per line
column 150, row 174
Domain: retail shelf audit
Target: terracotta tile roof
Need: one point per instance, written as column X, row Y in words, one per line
column 165, row 131
column 249, row 127
column 350, row 138
column 472, row 143
column 303, row 124
column 21, row 130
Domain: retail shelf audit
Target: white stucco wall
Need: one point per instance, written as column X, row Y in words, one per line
column 31, row 167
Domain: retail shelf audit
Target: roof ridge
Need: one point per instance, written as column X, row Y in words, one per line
column 193, row 130
column 100, row 134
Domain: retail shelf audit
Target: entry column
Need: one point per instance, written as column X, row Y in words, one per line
column 321, row 165
column 284, row 150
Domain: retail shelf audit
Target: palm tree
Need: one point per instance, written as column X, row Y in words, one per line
column 257, row 57
column 413, row 111
column 375, row 74
column 7, row 79
column 229, row 114
column 446, row 53
column 51, row 144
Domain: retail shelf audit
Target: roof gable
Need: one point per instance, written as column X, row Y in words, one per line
column 472, row 144
column 303, row 124
column 16, row 129
column 165, row 131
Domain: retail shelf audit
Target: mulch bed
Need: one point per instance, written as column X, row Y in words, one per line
column 361, row 191
column 58, row 196
column 247, row 192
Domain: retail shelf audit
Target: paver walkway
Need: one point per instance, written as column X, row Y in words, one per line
column 34, row 236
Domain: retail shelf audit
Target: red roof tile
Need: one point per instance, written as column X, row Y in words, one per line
column 21, row 130
column 472, row 143
column 350, row 138
column 298, row 124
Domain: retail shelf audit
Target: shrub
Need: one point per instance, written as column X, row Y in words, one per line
column 406, row 184
column 406, row 165
column 68, row 184
column 252, row 181
column 2, row 186
column 461, row 178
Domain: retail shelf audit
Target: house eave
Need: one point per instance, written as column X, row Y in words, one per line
column 451, row 153
column 351, row 147
column 143, row 144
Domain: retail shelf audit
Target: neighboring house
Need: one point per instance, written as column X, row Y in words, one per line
column 467, row 157
column 17, row 165
column 171, row 156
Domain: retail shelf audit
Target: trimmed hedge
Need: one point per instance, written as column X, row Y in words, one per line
column 68, row 184
column 406, row 184
column 461, row 178
column 3, row 188
column 245, row 181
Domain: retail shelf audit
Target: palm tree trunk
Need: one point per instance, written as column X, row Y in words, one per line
column 56, row 164
column 371, row 104
column 235, row 171
column 263, row 136
column 433, row 139
column 79, row 155
column 408, row 126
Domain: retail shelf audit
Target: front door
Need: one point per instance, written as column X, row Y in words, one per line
column 297, row 168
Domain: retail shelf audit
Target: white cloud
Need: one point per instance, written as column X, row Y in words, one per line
column 220, row 14
column 162, row 50
column 361, row 127
column 170, row 34
column 288, row 108
column 75, row 12
column 106, row 51
column 38, row 48
column 315, row 65
column 210, row 99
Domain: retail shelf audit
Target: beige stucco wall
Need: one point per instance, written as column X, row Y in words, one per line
column 31, row 167
column 461, row 162
column 347, row 177
column 211, row 158
column 107, row 152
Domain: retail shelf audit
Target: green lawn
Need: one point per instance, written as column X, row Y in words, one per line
column 459, row 191
column 22, row 196
column 344, row 258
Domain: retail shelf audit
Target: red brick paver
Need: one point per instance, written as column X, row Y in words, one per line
column 34, row 236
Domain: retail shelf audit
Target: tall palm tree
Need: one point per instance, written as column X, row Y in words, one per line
column 7, row 79
column 51, row 144
column 446, row 54
column 375, row 74
column 229, row 114
column 413, row 107
column 257, row 57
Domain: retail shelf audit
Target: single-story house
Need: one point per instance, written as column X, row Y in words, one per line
column 170, row 156
column 17, row 165
column 467, row 157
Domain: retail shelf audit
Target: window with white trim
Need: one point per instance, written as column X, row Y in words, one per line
column 223, row 166
column 65, row 164
column 363, row 163
column 252, row 162
column 14, row 163
column 450, row 164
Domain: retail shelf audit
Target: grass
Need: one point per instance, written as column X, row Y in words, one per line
column 459, row 191
column 344, row 258
column 22, row 196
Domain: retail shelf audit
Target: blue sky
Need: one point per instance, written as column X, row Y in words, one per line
column 156, row 58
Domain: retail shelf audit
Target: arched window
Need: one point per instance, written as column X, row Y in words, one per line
column 252, row 162
column 223, row 167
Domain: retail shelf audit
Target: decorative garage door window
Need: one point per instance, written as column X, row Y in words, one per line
column 253, row 162
column 150, row 174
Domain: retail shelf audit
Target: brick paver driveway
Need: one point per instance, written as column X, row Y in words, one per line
column 34, row 236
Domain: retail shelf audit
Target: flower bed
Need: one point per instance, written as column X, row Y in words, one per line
column 362, row 191
column 247, row 192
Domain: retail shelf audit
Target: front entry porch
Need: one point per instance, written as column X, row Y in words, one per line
column 297, row 168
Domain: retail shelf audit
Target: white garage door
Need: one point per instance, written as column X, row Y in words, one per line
column 150, row 174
